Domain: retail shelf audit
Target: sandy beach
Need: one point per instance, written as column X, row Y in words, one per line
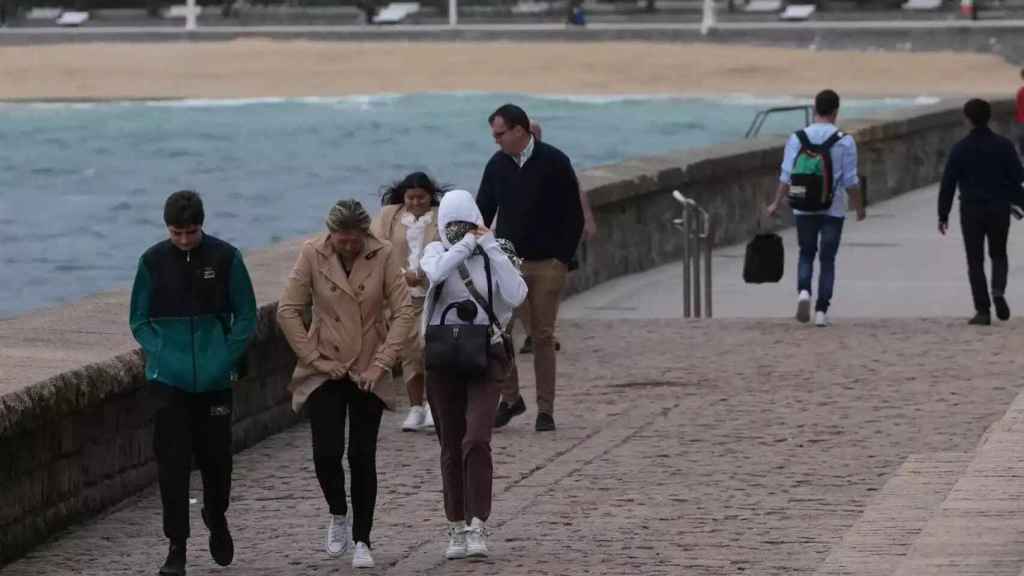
column 271, row 68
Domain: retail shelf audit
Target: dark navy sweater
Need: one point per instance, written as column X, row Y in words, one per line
column 539, row 204
column 987, row 170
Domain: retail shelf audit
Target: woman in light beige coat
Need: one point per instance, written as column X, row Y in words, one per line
column 409, row 221
column 355, row 285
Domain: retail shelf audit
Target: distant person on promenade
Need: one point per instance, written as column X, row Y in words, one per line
column 474, row 283
column 409, row 221
column 532, row 187
column 193, row 312
column 987, row 170
column 1018, row 123
column 355, row 285
column 819, row 170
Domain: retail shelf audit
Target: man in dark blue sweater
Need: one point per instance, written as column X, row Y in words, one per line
column 988, row 172
column 533, row 186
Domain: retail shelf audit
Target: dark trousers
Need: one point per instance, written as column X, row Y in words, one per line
column 328, row 406
column 980, row 223
column 190, row 425
column 810, row 229
column 464, row 411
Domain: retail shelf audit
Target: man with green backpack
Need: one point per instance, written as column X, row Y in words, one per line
column 819, row 170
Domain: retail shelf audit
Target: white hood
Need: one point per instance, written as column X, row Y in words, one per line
column 456, row 205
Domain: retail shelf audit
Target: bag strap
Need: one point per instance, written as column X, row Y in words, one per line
column 487, row 305
column 805, row 142
column 831, row 141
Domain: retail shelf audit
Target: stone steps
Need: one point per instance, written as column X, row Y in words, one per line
column 880, row 539
column 979, row 528
column 942, row 514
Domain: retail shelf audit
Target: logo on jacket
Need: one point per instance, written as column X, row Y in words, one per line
column 209, row 273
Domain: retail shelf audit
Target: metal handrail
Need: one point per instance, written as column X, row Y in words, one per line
column 760, row 117
column 695, row 224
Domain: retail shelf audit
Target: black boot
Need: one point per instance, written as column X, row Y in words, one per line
column 175, row 563
column 222, row 546
column 507, row 411
column 981, row 319
column 1002, row 308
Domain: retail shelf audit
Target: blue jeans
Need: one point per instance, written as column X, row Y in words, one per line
column 809, row 229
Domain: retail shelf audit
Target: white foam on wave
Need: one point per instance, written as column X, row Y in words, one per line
column 51, row 105
column 599, row 99
column 369, row 101
column 208, row 102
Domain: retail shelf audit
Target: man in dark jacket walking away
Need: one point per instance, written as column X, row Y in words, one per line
column 985, row 166
column 534, row 188
column 193, row 311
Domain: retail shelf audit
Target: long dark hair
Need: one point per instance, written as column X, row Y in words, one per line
column 395, row 194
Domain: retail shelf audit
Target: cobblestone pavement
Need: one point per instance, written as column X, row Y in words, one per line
column 698, row 448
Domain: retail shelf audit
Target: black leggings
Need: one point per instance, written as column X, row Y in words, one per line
column 328, row 406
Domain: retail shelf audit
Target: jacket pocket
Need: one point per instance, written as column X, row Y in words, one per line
column 214, row 366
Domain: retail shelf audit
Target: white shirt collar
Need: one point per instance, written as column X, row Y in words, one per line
column 525, row 154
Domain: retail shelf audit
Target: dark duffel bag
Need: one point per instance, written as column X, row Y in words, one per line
column 765, row 259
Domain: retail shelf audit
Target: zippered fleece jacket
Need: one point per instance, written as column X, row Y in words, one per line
column 193, row 313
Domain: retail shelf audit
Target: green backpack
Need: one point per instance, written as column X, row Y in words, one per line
column 811, row 185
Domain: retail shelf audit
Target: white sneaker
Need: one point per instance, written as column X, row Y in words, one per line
column 428, row 418
column 821, row 319
column 456, row 541
column 338, row 535
column 414, row 420
column 476, row 539
column 803, row 306
column 362, row 558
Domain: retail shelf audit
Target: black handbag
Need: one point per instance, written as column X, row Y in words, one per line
column 461, row 349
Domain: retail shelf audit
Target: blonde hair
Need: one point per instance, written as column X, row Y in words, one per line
column 348, row 215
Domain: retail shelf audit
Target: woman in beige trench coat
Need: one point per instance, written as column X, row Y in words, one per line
column 355, row 285
column 409, row 221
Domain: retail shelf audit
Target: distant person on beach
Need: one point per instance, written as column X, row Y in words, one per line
column 409, row 221
column 819, row 170
column 1018, row 124
column 987, row 170
column 577, row 16
column 355, row 285
column 532, row 187
column 193, row 312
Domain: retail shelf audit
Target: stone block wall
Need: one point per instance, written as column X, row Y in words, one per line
column 82, row 441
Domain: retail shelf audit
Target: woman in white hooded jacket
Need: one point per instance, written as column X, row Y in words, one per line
column 464, row 408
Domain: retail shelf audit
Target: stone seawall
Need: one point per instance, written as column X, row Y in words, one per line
column 76, row 415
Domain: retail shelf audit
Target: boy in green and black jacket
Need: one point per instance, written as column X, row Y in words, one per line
column 193, row 311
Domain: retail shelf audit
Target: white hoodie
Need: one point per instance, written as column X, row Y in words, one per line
column 440, row 262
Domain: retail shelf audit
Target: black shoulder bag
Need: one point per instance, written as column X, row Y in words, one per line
column 461, row 349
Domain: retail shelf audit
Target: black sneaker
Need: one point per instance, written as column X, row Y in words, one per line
column 980, row 319
column 175, row 563
column 507, row 411
column 545, row 423
column 222, row 546
column 1002, row 308
column 527, row 346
